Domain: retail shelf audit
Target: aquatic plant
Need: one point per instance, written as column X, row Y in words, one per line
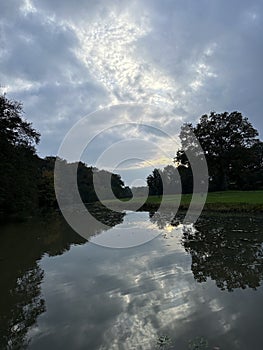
column 163, row 342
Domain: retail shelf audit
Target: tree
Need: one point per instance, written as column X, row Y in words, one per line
column 27, row 181
column 229, row 142
column 250, row 175
column 171, row 179
column 177, row 179
column 14, row 130
column 154, row 182
column 19, row 163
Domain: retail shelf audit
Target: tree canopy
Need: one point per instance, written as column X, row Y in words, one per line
column 232, row 148
column 14, row 129
column 170, row 180
column 18, row 173
column 26, row 180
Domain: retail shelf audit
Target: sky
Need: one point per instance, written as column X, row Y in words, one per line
column 156, row 63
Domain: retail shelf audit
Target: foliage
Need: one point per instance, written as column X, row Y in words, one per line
column 19, row 163
column 170, row 180
column 27, row 181
column 85, row 181
column 233, row 152
column 14, row 130
column 164, row 341
column 154, row 182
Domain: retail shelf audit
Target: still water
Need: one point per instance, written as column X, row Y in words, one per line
column 201, row 284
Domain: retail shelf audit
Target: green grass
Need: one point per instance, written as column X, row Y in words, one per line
column 218, row 201
column 248, row 197
column 227, row 197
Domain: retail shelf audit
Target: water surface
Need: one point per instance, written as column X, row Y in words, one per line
column 60, row 291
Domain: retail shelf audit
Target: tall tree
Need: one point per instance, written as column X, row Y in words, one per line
column 154, row 182
column 14, row 130
column 177, row 179
column 18, row 161
column 229, row 142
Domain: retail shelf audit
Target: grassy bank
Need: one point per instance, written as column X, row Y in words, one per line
column 238, row 201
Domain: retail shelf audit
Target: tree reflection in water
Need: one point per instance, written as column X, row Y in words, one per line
column 25, row 304
column 227, row 249
column 21, row 248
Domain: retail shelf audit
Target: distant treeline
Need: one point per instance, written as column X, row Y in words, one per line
column 232, row 149
column 26, row 180
column 85, row 180
column 230, row 144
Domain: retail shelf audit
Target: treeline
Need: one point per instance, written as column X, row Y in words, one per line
column 85, row 181
column 174, row 179
column 26, row 180
column 232, row 149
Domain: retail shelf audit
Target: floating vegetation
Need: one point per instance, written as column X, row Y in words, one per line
column 198, row 343
column 164, row 341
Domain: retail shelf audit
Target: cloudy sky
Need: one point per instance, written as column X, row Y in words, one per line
column 181, row 58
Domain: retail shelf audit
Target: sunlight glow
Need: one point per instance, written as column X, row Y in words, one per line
column 109, row 50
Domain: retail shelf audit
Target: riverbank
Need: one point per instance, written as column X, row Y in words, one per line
column 227, row 201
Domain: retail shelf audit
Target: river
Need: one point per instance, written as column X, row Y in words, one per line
column 180, row 285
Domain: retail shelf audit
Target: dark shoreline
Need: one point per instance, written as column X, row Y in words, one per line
column 209, row 207
column 214, row 207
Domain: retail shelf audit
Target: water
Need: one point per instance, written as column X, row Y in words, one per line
column 60, row 291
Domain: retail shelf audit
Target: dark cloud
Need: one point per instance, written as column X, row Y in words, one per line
column 226, row 38
column 38, row 50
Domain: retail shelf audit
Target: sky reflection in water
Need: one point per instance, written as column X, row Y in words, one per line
column 62, row 292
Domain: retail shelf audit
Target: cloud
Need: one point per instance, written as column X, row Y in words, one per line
column 65, row 60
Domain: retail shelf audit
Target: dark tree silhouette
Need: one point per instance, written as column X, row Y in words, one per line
column 231, row 147
column 170, row 180
column 154, row 182
column 27, row 181
column 14, row 130
column 19, row 168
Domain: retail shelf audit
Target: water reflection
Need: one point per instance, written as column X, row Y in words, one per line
column 165, row 219
column 227, row 249
column 59, row 291
column 20, row 307
column 124, row 298
column 21, row 248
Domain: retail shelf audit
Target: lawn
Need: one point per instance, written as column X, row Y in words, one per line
column 227, row 197
column 219, row 201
